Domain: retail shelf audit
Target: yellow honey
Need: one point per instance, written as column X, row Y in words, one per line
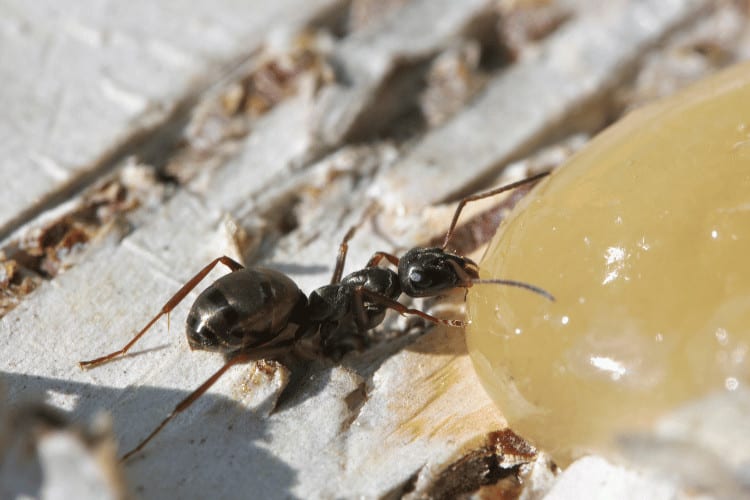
column 644, row 240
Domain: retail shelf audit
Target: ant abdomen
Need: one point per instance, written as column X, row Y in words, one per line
column 243, row 309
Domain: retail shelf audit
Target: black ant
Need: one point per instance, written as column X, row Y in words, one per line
column 257, row 313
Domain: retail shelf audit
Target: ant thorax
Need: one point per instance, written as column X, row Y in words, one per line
column 344, row 315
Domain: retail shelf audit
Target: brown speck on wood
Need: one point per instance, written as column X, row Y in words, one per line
column 483, row 466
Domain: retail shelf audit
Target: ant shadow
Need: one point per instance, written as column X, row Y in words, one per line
column 197, row 457
column 217, row 447
column 417, row 337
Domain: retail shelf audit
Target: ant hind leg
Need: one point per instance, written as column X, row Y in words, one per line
column 166, row 308
column 245, row 357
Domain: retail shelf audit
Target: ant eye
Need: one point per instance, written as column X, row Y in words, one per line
column 416, row 277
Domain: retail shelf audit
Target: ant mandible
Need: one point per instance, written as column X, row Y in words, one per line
column 256, row 313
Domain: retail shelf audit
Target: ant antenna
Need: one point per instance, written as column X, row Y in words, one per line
column 518, row 284
column 487, row 194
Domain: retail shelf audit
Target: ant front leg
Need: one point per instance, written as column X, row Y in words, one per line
column 360, row 293
column 171, row 304
column 484, row 195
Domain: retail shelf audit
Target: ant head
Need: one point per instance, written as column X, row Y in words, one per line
column 425, row 272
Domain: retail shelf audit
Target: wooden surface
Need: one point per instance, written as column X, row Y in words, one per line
column 395, row 107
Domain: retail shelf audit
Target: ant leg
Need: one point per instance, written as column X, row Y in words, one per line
column 486, row 194
column 166, row 308
column 341, row 258
column 360, row 291
column 193, row 396
column 378, row 256
column 338, row 271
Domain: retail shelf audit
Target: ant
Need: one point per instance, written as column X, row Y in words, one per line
column 256, row 313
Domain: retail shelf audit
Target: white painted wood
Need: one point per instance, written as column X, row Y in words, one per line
column 424, row 407
column 571, row 74
column 83, row 79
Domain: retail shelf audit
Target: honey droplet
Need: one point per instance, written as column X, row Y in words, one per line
column 644, row 239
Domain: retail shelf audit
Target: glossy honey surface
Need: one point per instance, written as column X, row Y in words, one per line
column 644, row 240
